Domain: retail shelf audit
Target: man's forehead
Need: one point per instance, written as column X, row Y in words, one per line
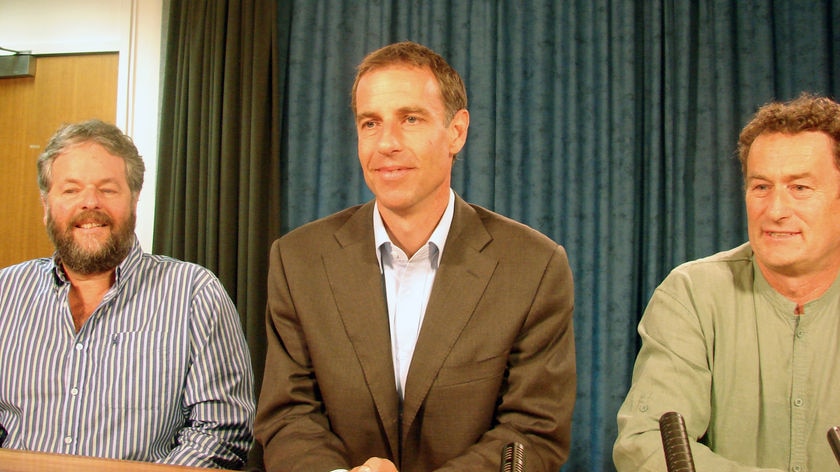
column 88, row 158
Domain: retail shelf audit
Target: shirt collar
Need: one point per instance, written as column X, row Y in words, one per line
column 436, row 240
column 787, row 306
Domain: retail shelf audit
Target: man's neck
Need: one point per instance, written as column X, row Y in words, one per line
column 411, row 230
column 800, row 289
column 86, row 293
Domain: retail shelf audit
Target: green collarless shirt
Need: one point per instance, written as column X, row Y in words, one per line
column 757, row 384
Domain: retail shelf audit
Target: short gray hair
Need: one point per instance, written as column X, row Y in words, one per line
column 95, row 131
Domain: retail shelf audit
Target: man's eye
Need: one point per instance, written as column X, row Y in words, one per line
column 412, row 119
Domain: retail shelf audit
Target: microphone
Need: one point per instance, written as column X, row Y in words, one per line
column 834, row 440
column 513, row 458
column 675, row 442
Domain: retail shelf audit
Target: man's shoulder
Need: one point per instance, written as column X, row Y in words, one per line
column 162, row 267
column 717, row 274
column 30, row 279
column 507, row 230
column 30, row 268
column 725, row 260
column 325, row 227
column 157, row 277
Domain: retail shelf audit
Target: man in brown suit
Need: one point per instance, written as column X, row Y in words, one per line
column 415, row 331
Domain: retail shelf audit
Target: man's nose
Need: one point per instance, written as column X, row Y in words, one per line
column 90, row 197
column 390, row 139
column 779, row 206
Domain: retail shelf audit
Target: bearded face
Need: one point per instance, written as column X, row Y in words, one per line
column 88, row 255
column 89, row 210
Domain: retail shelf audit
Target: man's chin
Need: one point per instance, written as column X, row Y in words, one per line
column 89, row 254
column 90, row 262
column 90, row 241
column 790, row 266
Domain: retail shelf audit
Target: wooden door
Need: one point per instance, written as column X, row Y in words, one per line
column 66, row 88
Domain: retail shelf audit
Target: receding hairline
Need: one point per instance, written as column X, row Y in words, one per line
column 411, row 54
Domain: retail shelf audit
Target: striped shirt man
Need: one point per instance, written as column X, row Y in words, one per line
column 160, row 372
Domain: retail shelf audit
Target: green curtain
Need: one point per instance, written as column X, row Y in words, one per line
column 218, row 181
column 609, row 125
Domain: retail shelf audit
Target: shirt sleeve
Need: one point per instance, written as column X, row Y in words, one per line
column 672, row 373
column 218, row 399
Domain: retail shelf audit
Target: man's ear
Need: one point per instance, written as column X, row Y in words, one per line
column 45, row 206
column 458, row 127
column 135, row 198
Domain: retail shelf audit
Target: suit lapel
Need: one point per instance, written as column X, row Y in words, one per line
column 459, row 284
column 356, row 283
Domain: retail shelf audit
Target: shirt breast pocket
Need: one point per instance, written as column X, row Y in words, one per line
column 139, row 372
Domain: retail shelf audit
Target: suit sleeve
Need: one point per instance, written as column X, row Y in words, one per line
column 290, row 423
column 537, row 399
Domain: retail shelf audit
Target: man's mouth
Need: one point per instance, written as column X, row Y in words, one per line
column 91, row 220
column 393, row 171
column 91, row 225
column 780, row 234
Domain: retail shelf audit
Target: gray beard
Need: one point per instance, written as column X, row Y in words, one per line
column 105, row 259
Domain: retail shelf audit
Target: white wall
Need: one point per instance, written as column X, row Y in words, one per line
column 133, row 28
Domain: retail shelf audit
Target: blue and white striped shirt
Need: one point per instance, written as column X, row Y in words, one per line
column 160, row 372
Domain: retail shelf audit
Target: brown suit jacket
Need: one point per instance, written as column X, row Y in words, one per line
column 494, row 361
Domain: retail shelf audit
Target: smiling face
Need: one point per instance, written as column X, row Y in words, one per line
column 793, row 203
column 89, row 209
column 406, row 147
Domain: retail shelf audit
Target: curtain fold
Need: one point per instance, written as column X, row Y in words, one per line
column 609, row 125
column 218, row 177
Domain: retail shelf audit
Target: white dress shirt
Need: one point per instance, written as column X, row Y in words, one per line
column 408, row 283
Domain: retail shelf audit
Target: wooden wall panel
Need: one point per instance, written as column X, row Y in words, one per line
column 66, row 88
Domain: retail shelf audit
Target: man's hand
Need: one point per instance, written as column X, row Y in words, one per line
column 375, row 464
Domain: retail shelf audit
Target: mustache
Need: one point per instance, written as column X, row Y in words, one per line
column 91, row 216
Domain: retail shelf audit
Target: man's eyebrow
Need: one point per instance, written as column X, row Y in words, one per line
column 364, row 116
column 413, row 111
column 803, row 175
column 79, row 181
